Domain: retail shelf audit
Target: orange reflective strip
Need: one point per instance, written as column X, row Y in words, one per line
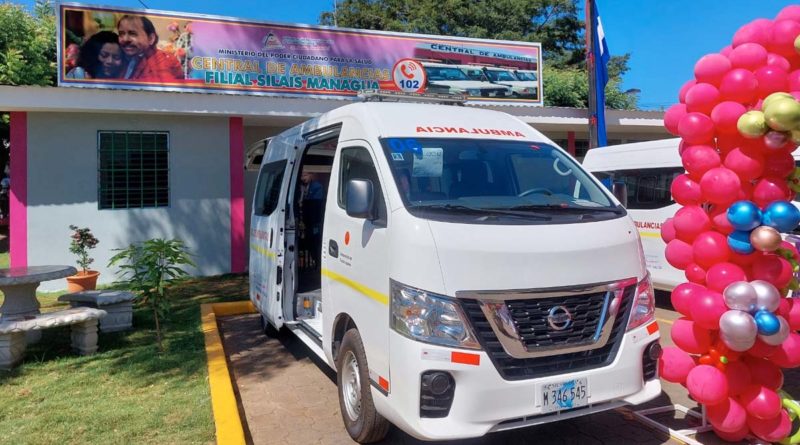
column 383, row 383
column 652, row 328
column 465, row 358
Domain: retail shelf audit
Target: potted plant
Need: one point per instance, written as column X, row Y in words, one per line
column 82, row 241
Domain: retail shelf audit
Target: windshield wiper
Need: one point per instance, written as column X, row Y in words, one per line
column 482, row 211
column 564, row 207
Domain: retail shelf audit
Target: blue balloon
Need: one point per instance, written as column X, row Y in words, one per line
column 744, row 215
column 767, row 323
column 781, row 216
column 739, row 242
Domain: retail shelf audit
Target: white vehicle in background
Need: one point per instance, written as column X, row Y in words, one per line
column 460, row 273
column 505, row 76
column 526, row 75
column 647, row 168
column 452, row 77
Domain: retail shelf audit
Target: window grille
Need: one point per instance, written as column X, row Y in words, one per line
column 133, row 169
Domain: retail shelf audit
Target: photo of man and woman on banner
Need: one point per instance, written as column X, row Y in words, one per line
column 109, row 45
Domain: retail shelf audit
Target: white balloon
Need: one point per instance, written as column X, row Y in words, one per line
column 778, row 337
column 768, row 296
column 740, row 295
column 738, row 330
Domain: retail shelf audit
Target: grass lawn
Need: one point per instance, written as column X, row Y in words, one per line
column 127, row 392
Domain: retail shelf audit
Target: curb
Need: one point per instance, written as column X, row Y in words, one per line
column 227, row 422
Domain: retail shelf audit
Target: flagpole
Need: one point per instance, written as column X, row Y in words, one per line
column 590, row 66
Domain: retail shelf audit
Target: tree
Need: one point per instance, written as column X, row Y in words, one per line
column 554, row 23
column 27, row 44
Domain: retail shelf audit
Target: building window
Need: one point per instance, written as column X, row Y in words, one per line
column 133, row 169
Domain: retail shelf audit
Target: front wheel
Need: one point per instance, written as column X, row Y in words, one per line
column 360, row 417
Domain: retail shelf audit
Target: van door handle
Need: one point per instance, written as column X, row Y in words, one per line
column 333, row 249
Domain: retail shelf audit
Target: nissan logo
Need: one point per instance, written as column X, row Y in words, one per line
column 559, row 318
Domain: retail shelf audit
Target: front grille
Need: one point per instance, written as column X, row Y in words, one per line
column 530, row 317
column 511, row 368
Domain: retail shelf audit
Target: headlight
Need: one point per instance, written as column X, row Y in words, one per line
column 644, row 305
column 527, row 90
column 473, row 92
column 429, row 318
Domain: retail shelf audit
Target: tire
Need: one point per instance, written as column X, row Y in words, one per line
column 267, row 328
column 360, row 418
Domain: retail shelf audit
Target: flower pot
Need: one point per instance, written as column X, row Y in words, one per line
column 82, row 281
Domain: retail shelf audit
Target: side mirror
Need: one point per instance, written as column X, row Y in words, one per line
column 620, row 191
column 360, row 199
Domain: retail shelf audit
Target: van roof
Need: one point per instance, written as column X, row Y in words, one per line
column 400, row 119
column 649, row 154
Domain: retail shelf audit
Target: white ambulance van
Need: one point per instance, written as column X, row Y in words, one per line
column 460, row 273
column 647, row 169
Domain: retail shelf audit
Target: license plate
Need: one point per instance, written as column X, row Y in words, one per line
column 565, row 395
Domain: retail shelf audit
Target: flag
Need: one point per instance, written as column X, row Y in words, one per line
column 600, row 56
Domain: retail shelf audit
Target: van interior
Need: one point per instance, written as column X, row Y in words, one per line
column 305, row 225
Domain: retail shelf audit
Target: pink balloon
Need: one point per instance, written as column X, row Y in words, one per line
column 689, row 222
column 748, row 56
column 707, row 309
column 734, row 437
column 720, row 275
column 673, row 116
column 765, row 373
column 727, row 142
column 747, row 166
column 756, row 31
column 707, row 384
column 698, row 159
column 690, row 337
column 720, row 185
column 791, row 12
column 794, row 80
column 778, row 61
column 683, row 295
column 711, row 67
column 782, row 37
column 678, row 254
column 779, row 165
column 794, row 315
column 728, row 416
column 768, row 190
column 702, row 98
column 739, row 85
column 696, row 128
column 686, row 191
column 719, row 220
column 684, row 88
column 772, row 268
column 725, row 116
column 743, row 261
column 710, row 248
column 771, row 80
column 787, row 354
column 674, row 365
column 773, row 429
column 726, row 50
column 738, row 375
column 760, row 401
column 668, row 231
column 746, row 192
column 695, row 274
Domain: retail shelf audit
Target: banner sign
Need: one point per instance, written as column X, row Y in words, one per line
column 118, row 48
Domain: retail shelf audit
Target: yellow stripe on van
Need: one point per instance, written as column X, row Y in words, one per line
column 263, row 251
column 650, row 234
column 371, row 293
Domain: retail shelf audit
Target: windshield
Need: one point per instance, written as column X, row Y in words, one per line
column 477, row 176
column 475, row 74
column 498, row 75
column 526, row 75
column 444, row 73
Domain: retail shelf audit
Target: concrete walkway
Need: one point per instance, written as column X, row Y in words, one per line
column 289, row 397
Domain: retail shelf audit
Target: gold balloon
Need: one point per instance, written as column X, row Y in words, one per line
column 765, row 239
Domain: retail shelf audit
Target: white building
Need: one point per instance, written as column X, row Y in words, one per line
column 184, row 166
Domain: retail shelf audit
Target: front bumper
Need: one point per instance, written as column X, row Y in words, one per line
column 484, row 402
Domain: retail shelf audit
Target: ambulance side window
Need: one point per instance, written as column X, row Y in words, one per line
column 268, row 190
column 648, row 188
column 356, row 163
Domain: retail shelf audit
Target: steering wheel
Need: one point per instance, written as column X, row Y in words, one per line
column 546, row 191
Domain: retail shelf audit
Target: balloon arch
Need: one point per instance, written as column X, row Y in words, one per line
column 739, row 120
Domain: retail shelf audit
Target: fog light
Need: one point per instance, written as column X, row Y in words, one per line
column 650, row 360
column 436, row 394
column 654, row 351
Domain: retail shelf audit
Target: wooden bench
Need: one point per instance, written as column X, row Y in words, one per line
column 117, row 304
column 83, row 325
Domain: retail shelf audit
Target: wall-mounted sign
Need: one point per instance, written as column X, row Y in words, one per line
column 119, row 48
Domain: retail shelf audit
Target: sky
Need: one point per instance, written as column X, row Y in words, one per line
column 664, row 37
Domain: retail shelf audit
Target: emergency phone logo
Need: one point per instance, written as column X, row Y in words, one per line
column 409, row 76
